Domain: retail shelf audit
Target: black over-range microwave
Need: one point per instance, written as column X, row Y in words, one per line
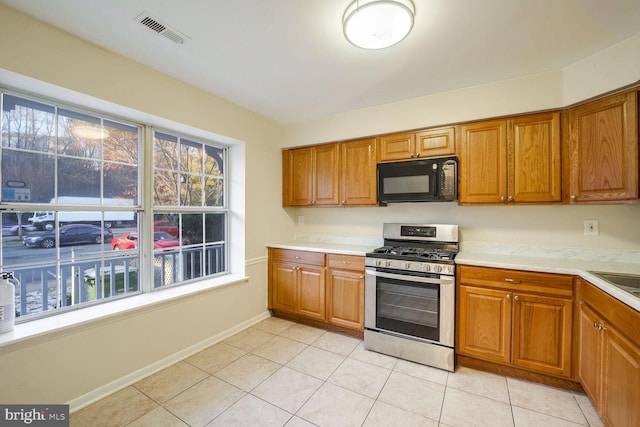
column 425, row 180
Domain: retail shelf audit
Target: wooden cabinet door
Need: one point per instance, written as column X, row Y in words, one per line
column 345, row 299
column 484, row 323
column 311, row 292
column 326, row 173
column 358, row 166
column 297, row 177
column 534, row 154
column 397, row 146
column 604, row 149
column 542, row 328
column 621, row 380
column 435, row 142
column 590, row 351
column 284, row 283
column 483, row 162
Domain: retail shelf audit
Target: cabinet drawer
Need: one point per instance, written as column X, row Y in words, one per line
column 516, row 280
column 298, row 257
column 346, row 262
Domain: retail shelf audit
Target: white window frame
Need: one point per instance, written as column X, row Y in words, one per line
column 234, row 196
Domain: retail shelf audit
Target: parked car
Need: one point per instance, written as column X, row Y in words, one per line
column 10, row 228
column 161, row 240
column 166, row 226
column 71, row 234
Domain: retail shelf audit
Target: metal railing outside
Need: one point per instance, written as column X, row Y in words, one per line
column 43, row 289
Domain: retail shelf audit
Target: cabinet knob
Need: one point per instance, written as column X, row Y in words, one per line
column 516, row 297
column 572, row 197
column 411, row 155
column 510, row 198
column 346, row 262
column 342, row 202
column 508, row 296
column 417, row 154
column 361, row 277
column 297, row 257
column 503, row 199
column 510, row 280
column 599, row 327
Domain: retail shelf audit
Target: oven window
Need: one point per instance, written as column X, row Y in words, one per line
column 408, row 308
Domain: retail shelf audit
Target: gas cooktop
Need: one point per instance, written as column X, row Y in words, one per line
column 410, row 253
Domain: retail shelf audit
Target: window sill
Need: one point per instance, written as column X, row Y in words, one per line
column 45, row 329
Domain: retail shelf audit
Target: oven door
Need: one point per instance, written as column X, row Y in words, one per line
column 416, row 306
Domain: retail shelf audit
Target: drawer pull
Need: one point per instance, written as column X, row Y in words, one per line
column 516, row 281
column 346, row 262
column 297, row 257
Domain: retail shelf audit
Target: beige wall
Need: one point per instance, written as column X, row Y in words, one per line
column 72, row 365
column 555, row 226
column 80, row 364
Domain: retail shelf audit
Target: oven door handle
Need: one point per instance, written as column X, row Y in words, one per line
column 443, row 280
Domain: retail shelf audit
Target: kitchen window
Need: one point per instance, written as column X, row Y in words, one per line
column 75, row 222
column 189, row 203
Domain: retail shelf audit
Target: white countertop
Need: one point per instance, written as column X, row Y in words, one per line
column 569, row 261
column 577, row 267
column 328, row 247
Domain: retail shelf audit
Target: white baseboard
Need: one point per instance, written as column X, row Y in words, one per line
column 133, row 377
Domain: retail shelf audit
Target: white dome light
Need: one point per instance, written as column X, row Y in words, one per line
column 376, row 24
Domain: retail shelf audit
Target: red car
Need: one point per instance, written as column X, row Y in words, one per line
column 161, row 240
column 166, row 226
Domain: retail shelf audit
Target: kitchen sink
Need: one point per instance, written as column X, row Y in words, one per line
column 627, row 282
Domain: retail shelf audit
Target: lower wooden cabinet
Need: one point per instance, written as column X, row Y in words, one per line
column 516, row 318
column 345, row 291
column 297, row 282
column 609, row 348
column 330, row 291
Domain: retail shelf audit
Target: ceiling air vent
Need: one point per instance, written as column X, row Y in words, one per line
column 163, row 29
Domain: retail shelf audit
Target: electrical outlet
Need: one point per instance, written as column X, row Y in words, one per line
column 300, row 220
column 590, row 227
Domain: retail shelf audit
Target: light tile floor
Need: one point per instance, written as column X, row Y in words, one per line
column 280, row 373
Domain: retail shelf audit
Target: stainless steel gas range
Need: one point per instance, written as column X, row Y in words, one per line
column 410, row 294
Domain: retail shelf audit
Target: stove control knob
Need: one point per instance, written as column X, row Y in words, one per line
column 407, row 266
column 378, row 263
column 388, row 264
column 438, row 268
column 427, row 267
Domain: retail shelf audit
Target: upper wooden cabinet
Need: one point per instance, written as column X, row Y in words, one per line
column 420, row 144
column 511, row 161
column 358, row 173
column 603, row 149
column 311, row 176
column 337, row 174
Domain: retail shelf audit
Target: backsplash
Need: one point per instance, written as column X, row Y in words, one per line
column 342, row 240
column 569, row 253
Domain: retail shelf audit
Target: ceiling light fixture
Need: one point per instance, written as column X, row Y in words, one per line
column 376, row 24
